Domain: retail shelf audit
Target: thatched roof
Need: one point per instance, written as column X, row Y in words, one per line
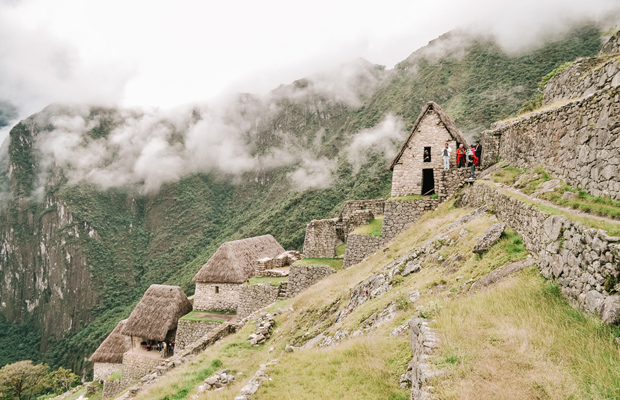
column 112, row 348
column 235, row 262
column 448, row 123
column 157, row 313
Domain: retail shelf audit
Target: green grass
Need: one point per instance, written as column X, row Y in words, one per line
column 507, row 175
column 410, row 197
column 611, row 228
column 334, row 263
column 195, row 316
column 115, row 376
column 266, row 279
column 524, row 340
column 340, row 250
column 372, row 229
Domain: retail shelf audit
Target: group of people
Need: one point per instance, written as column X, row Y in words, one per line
column 464, row 157
column 165, row 348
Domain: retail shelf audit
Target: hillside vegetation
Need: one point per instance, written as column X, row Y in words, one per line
column 166, row 235
column 518, row 339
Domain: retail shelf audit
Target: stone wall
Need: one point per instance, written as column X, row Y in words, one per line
column 190, row 331
column 489, row 140
column 303, row 276
column 351, row 206
column 584, row 77
column 136, row 365
column 216, row 296
column 451, row 180
column 255, row 297
column 407, row 176
column 578, row 258
column 612, row 45
column 101, row 371
column 398, row 214
column 112, row 388
column 359, row 247
column 578, row 142
column 321, row 238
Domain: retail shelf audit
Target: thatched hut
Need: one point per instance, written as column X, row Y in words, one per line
column 156, row 316
column 108, row 357
column 418, row 164
column 234, row 263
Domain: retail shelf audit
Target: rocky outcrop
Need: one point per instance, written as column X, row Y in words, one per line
column 489, row 238
column 216, row 382
column 500, row 273
column 613, row 45
column 264, row 322
column 252, row 386
column 580, row 259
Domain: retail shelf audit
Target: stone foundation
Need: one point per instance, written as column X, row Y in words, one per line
column 112, row 389
column 400, row 213
column 255, row 297
column 190, row 331
column 303, row 276
column 136, row 365
column 359, row 247
column 216, row 296
column 321, row 238
column 351, row 206
column 578, row 258
column 578, row 142
column 102, row 371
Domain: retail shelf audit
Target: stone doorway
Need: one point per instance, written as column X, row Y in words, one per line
column 428, row 182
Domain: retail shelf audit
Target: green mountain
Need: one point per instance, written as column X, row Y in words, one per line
column 77, row 252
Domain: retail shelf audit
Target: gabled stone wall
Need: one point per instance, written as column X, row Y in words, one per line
column 216, row 296
column 578, row 142
column 321, row 238
column 407, row 176
column 578, row 258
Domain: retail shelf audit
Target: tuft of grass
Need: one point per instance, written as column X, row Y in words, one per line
column 507, row 175
column 372, row 229
column 410, row 197
column 334, row 263
column 523, row 340
column 197, row 316
column 340, row 250
column 273, row 281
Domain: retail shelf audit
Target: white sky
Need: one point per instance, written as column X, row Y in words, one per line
column 165, row 53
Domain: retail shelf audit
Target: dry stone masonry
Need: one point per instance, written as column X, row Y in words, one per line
column 398, row 214
column 190, row 331
column 423, row 341
column 255, row 297
column 303, row 276
column 359, row 247
column 583, row 261
column 101, row 371
column 216, row 296
column 578, row 142
column 264, row 323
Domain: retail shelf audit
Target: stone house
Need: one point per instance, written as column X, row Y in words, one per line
column 108, row 357
column 154, row 320
column 233, row 264
column 412, row 174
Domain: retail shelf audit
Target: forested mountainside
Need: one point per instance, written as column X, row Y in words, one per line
column 80, row 247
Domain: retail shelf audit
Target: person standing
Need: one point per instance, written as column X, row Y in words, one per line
column 460, row 156
column 472, row 161
column 478, row 152
column 445, row 153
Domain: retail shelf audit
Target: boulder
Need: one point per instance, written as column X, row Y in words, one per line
column 489, row 238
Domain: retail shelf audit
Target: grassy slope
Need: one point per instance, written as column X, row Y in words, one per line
column 518, row 339
column 174, row 232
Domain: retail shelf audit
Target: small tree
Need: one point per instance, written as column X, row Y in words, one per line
column 23, row 380
column 63, row 380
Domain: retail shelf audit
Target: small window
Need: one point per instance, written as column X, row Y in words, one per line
column 217, row 289
column 427, row 154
